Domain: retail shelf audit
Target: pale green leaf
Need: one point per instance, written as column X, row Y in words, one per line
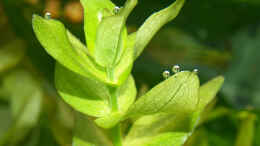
column 83, row 94
column 26, row 98
column 151, row 125
column 164, row 139
column 86, row 133
column 109, row 33
column 154, row 23
column 112, row 41
column 94, row 12
column 125, row 64
column 208, row 91
column 178, row 94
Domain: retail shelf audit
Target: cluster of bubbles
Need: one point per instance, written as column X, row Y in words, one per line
column 175, row 69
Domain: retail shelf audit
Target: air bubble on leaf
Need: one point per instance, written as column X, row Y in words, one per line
column 47, row 15
column 176, row 68
column 116, row 9
column 166, row 74
column 100, row 16
column 195, row 70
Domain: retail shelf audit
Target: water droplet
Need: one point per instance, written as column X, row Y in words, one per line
column 47, row 15
column 166, row 74
column 195, row 70
column 116, row 9
column 176, row 68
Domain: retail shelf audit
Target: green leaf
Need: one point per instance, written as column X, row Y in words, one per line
column 178, row 94
column 112, row 36
column 67, row 50
column 88, row 134
column 26, row 98
column 83, row 94
column 153, row 24
column 246, row 130
column 94, row 12
column 110, row 32
column 124, row 66
column 158, row 129
column 92, row 97
column 208, row 91
column 165, row 139
column 11, row 54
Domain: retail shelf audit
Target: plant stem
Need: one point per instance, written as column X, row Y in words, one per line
column 116, row 135
column 113, row 98
column 115, row 131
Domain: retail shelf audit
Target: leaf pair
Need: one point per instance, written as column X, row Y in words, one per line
column 92, row 97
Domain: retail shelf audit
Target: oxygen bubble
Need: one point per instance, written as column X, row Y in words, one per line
column 116, row 9
column 47, row 15
column 166, row 74
column 100, row 16
column 195, row 70
column 176, row 68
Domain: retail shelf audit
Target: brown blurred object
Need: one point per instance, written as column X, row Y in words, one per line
column 74, row 12
column 3, row 19
column 32, row 2
column 54, row 7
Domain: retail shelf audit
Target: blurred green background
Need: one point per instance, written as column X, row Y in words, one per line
column 217, row 37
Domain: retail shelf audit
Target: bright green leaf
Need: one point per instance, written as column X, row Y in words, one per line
column 109, row 33
column 125, row 64
column 83, row 94
column 178, row 94
column 153, row 24
column 60, row 45
column 94, row 12
column 112, row 41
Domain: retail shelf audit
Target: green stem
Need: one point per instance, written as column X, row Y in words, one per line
column 113, row 98
column 115, row 131
column 116, row 135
